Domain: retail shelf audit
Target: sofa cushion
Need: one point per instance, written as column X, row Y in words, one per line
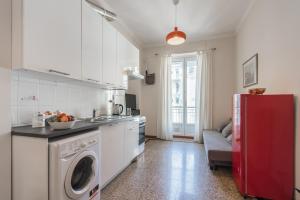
column 227, row 130
column 216, row 146
column 220, row 129
column 229, row 139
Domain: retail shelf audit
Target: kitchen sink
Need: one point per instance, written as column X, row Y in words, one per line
column 107, row 118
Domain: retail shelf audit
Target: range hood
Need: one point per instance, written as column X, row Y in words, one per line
column 134, row 75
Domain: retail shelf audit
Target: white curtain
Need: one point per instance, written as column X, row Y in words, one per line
column 204, row 105
column 164, row 122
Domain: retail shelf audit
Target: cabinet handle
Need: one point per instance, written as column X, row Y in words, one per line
column 109, row 15
column 89, row 79
column 58, row 72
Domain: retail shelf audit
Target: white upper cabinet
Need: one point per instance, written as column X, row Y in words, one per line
column 128, row 58
column 47, row 36
column 128, row 53
column 134, row 57
column 91, row 44
column 109, row 54
column 122, row 60
column 123, row 51
column 69, row 38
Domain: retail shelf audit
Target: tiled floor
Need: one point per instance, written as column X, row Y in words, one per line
column 172, row 171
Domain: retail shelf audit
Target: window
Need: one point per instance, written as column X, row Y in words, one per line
column 183, row 91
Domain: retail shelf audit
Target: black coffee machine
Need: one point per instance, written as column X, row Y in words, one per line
column 131, row 103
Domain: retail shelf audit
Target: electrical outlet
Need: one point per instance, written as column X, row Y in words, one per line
column 29, row 98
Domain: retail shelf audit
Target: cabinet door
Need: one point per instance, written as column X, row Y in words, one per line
column 133, row 57
column 51, row 36
column 135, row 62
column 131, row 147
column 123, row 51
column 109, row 53
column 112, row 145
column 91, row 44
column 237, row 164
column 123, row 64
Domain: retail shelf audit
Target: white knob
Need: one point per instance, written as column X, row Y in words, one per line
column 82, row 145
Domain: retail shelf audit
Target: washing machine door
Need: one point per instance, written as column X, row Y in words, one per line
column 81, row 174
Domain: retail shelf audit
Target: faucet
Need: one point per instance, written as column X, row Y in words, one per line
column 94, row 113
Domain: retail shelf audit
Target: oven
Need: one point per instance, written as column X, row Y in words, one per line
column 142, row 132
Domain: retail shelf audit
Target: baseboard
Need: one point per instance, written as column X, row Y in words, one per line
column 151, row 136
column 183, row 137
column 174, row 136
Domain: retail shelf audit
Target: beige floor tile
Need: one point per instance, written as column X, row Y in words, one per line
column 172, row 171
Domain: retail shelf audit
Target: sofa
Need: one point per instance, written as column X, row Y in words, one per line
column 218, row 149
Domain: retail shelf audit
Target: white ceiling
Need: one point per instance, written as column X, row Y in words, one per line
column 150, row 20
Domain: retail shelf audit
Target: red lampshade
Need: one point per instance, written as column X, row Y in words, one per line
column 176, row 37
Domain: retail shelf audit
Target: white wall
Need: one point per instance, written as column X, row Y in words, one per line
column 272, row 30
column 223, row 76
column 5, row 124
column 5, row 33
column 5, row 142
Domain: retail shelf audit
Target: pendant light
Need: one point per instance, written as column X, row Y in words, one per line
column 176, row 37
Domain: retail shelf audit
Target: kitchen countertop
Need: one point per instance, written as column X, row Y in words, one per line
column 79, row 126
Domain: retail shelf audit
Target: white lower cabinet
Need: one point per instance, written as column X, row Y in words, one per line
column 112, row 144
column 131, row 140
column 119, row 146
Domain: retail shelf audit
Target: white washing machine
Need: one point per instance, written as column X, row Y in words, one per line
column 74, row 167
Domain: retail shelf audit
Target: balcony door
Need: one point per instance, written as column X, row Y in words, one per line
column 183, row 92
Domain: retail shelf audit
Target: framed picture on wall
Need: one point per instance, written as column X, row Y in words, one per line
column 250, row 68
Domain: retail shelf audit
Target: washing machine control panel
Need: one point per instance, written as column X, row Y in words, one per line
column 76, row 146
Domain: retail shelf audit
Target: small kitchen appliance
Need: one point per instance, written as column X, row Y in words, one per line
column 131, row 103
column 117, row 109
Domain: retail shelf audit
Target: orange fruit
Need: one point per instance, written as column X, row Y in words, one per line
column 64, row 119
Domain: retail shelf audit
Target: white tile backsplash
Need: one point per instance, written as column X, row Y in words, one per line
column 46, row 93
column 14, row 93
column 34, row 92
column 25, row 114
column 14, row 115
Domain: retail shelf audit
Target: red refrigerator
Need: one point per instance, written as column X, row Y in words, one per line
column 263, row 145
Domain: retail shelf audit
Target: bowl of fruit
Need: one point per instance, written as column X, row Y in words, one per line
column 257, row 91
column 61, row 121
